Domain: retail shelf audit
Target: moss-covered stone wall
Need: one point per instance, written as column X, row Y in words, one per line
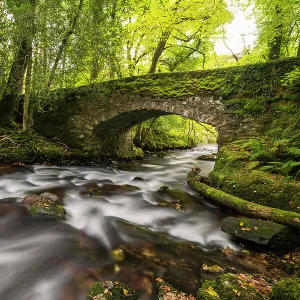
column 96, row 118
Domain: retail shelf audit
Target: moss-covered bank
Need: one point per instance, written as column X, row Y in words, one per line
column 265, row 166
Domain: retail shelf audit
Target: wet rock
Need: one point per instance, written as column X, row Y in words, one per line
column 137, row 178
column 268, row 234
column 110, row 189
column 46, row 196
column 165, row 291
column 208, row 157
column 31, row 199
column 286, row 290
column 108, row 290
column 50, row 196
column 163, row 188
column 46, row 208
column 179, row 199
column 94, row 191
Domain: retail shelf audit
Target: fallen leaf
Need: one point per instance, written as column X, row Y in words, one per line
column 212, row 292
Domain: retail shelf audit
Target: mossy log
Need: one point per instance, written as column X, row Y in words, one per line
column 242, row 206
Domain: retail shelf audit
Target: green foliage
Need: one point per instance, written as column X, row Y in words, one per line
column 277, row 27
column 286, row 289
column 292, row 83
column 171, row 132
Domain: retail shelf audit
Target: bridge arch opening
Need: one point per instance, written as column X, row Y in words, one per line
column 172, row 132
column 151, row 130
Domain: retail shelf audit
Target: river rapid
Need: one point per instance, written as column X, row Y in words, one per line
column 132, row 236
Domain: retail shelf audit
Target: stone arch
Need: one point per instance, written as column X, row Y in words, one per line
column 114, row 133
column 216, row 97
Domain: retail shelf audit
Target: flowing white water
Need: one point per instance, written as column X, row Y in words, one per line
column 38, row 256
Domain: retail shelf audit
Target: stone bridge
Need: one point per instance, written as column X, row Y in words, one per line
column 98, row 118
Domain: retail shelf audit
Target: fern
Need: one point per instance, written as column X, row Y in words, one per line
column 294, row 151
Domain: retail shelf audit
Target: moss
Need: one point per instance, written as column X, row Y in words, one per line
column 138, row 152
column 44, row 208
column 227, row 287
column 287, row 289
column 167, row 291
column 242, row 206
column 159, row 141
column 108, row 290
column 239, row 171
column 32, row 148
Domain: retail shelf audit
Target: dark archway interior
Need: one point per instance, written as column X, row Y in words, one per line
column 125, row 121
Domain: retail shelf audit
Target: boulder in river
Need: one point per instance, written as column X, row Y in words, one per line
column 138, row 178
column 267, row 234
column 44, row 208
column 110, row 189
column 45, row 204
column 46, row 196
column 208, row 157
column 50, row 196
column 108, row 290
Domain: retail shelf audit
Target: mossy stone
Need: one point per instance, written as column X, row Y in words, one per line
column 108, row 290
column 227, row 287
column 44, row 208
column 268, row 234
column 163, row 188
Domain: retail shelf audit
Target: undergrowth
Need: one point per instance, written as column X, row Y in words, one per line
column 28, row 147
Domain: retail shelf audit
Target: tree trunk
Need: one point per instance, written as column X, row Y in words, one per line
column 147, row 132
column 138, row 134
column 159, row 50
column 275, row 43
column 163, row 40
column 25, row 25
column 64, row 44
column 26, row 106
column 298, row 51
column 242, row 206
column 14, row 83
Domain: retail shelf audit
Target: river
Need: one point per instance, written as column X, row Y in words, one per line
column 132, row 236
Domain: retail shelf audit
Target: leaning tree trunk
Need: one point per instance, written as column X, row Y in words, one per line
column 159, row 50
column 64, row 44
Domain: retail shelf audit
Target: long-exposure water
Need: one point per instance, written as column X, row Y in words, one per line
column 130, row 235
